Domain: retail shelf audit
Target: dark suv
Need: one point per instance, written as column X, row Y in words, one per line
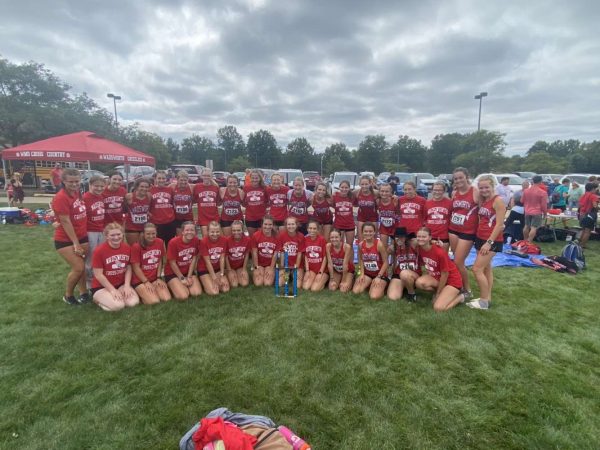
column 311, row 179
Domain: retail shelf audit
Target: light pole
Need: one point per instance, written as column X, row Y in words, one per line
column 115, row 98
column 322, row 156
column 480, row 98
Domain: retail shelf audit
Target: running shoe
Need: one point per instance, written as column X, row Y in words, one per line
column 468, row 295
column 84, row 298
column 70, row 300
column 412, row 298
column 479, row 304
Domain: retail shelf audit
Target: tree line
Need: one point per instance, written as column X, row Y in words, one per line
column 35, row 104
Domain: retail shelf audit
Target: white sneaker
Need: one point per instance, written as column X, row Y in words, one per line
column 479, row 304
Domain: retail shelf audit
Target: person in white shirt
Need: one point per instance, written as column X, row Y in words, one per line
column 504, row 191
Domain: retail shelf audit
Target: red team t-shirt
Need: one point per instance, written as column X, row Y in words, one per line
column 113, row 262
column 412, row 213
column 237, row 251
column 138, row 212
column 487, row 221
column 255, row 201
column 437, row 217
column 337, row 259
column 298, row 205
column 322, row 211
column 73, row 206
column 406, row 259
column 436, row 261
column 371, row 258
column 294, row 245
column 182, row 253
column 344, row 213
column 183, row 199
column 232, row 206
column 212, row 249
column 161, row 205
column 367, row 207
column 463, row 218
column 388, row 216
column 314, row 252
column 278, row 202
column 266, row 247
column 208, row 199
column 94, row 206
column 113, row 205
column 148, row 258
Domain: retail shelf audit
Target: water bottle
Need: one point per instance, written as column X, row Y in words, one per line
column 297, row 442
column 508, row 240
column 3, row 219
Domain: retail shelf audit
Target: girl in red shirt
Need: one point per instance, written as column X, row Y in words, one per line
column 211, row 261
column 343, row 204
column 488, row 240
column 238, row 251
column 321, row 204
column 299, row 200
column 206, row 195
column 315, row 259
column 463, row 223
column 387, row 208
column 264, row 253
column 292, row 242
column 442, row 276
column 366, row 200
column 114, row 199
column 588, row 211
column 182, row 255
column 373, row 260
column 340, row 263
column 255, row 201
column 162, row 211
column 411, row 208
column 137, row 205
column 147, row 257
column 70, row 236
column 111, row 286
column 183, row 200
column 94, row 207
column 232, row 198
column 278, row 201
column 406, row 270
column 437, row 214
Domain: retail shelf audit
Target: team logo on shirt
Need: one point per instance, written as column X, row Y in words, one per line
column 215, row 253
column 291, row 248
column 162, row 199
column 79, row 210
column 186, row 254
column 237, row 252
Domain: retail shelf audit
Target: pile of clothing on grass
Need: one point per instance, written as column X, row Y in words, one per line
column 27, row 217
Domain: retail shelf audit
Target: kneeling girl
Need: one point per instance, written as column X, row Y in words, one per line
column 264, row 253
column 238, row 250
column 315, row 259
column 340, row 263
column 373, row 260
column 182, row 254
column 211, row 261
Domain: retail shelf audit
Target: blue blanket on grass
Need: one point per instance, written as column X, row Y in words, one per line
column 504, row 259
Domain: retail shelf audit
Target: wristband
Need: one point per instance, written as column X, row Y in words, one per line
column 489, row 241
column 181, row 278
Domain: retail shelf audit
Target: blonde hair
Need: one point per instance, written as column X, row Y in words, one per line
column 261, row 181
column 488, row 177
column 113, row 226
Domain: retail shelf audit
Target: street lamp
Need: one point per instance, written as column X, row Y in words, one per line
column 115, row 98
column 322, row 156
column 480, row 98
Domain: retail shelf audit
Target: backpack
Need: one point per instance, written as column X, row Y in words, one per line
column 556, row 197
column 527, row 248
column 544, row 234
column 574, row 253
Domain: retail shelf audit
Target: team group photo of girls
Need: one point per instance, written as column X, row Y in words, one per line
column 174, row 240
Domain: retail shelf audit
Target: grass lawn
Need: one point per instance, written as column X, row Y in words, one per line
column 342, row 371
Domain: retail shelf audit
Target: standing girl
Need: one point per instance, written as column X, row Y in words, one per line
column 211, row 261
column 231, row 198
column 463, row 223
column 489, row 239
column 147, row 258
column 406, row 270
column 299, row 200
column 291, row 241
column 366, row 200
column 238, row 249
column 137, row 205
column 315, row 259
column 162, row 210
column 206, row 195
column 387, row 209
column 255, row 201
column 264, row 253
column 340, row 263
column 94, row 207
column 343, row 204
column 442, row 275
column 111, row 286
column 114, row 199
column 437, row 214
column 182, row 254
column 183, row 200
column 277, row 196
column 373, row 259
column 411, row 208
column 321, row 204
column 16, row 183
column 70, row 236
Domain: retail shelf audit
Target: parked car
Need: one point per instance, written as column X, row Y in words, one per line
column 194, row 171
column 289, row 175
column 85, row 179
column 580, row 178
column 526, row 175
column 135, row 172
column 221, row 177
column 240, row 176
column 422, row 189
column 425, row 178
column 311, row 179
column 338, row 177
column 382, row 178
column 447, row 179
column 514, row 181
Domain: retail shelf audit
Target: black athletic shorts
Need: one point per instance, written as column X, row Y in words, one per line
column 496, row 246
column 170, row 277
column 279, row 223
column 463, row 236
column 253, row 223
column 59, row 244
column 589, row 220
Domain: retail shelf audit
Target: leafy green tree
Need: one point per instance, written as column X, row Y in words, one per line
column 444, row 148
column 263, row 150
column 300, row 154
column 333, row 164
column 337, row 158
column 239, row 164
column 481, row 151
column 543, row 162
column 587, row 159
column 370, row 154
column 146, row 142
column 230, row 143
column 197, row 149
column 408, row 153
column 174, row 150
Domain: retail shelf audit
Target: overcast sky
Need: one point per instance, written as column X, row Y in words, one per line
column 326, row 70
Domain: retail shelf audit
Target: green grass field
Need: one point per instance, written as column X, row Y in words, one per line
column 342, row 371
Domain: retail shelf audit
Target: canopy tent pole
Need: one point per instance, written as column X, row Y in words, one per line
column 89, row 167
column 35, row 180
column 5, row 180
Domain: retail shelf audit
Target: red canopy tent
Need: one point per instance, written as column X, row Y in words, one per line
column 78, row 147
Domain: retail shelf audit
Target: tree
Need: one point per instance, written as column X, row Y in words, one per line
column 147, row 142
column 444, row 148
column 543, row 162
column 587, row 159
column 481, row 151
column 337, row 158
column 230, row 143
column 333, row 164
column 301, row 155
column 174, row 150
column 370, row 154
column 263, row 150
column 239, row 164
column 408, row 153
column 197, row 149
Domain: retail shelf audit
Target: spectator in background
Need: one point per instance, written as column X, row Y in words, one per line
column 535, row 201
column 55, row 177
column 517, row 213
column 575, row 193
column 16, row 182
column 504, row 191
column 394, row 181
column 588, row 211
column 558, row 198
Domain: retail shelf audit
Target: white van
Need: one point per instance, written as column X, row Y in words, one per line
column 338, row 177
